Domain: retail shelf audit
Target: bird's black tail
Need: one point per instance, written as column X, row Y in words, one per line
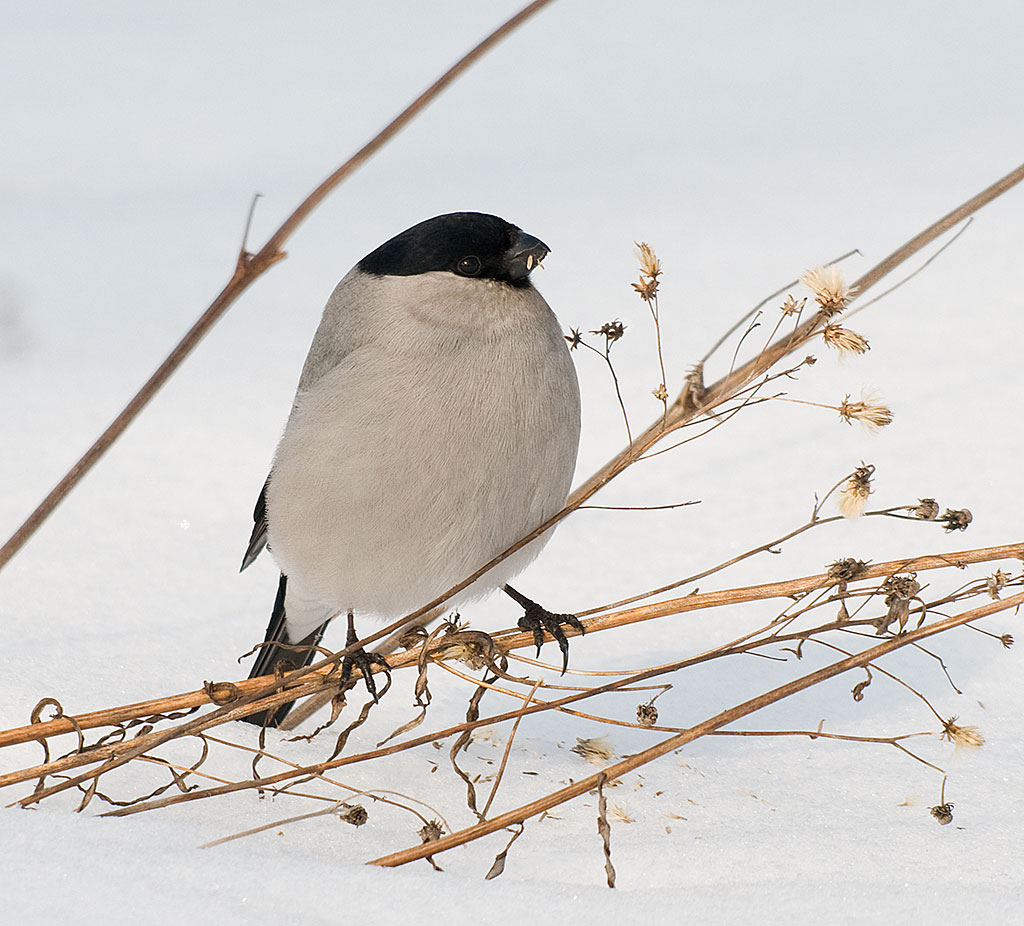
column 279, row 650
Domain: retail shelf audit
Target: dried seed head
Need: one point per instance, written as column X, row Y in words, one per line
column 596, row 750
column 943, row 813
column 791, row 306
column 844, row 340
column 846, row 570
column 869, row 411
column 996, row 582
column 650, row 266
column 1007, row 640
column 661, row 393
column 830, row 292
column 853, row 497
column 927, row 509
column 957, row 519
column 356, row 814
column 901, row 587
column 646, row 715
column 431, row 831
column 899, row 592
column 650, row 270
column 962, row 737
column 647, row 288
column 612, row 331
column 574, row 337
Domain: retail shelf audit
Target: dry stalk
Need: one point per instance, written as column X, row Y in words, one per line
column 507, row 640
column 618, row 769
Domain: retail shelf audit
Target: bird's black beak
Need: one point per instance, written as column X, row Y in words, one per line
column 525, row 253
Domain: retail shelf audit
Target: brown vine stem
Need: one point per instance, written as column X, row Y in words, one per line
column 248, row 268
column 577, row 788
column 512, row 640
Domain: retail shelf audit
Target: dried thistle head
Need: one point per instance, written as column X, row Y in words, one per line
column 956, row 519
column 830, row 292
column 943, row 813
column 650, row 270
column 853, row 497
column 612, row 331
column 869, row 411
column 646, row 715
column 650, row 266
column 962, row 737
column 661, row 393
column 846, row 570
column 431, row 831
column 791, row 306
column 996, row 582
column 844, row 340
column 574, row 337
column 927, row 509
column 354, row 814
column 899, row 592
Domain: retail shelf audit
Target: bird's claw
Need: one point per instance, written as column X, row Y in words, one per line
column 538, row 619
column 363, row 661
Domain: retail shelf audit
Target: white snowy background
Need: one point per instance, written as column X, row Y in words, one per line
column 746, row 141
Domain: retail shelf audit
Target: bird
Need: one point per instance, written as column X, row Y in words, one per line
column 436, row 422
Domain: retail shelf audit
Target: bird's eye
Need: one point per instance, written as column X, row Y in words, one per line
column 469, row 266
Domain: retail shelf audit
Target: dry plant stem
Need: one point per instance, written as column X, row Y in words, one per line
column 266, row 783
column 248, row 268
column 514, row 640
column 618, row 769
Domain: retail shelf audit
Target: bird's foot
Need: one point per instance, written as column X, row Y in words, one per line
column 361, row 660
column 537, row 619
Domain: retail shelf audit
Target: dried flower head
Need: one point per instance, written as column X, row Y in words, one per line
column 927, row 509
column 596, row 750
column 899, row 592
column 574, row 337
column 650, row 266
column 844, row 340
column 996, row 582
column 650, row 270
column 791, row 306
column 943, row 813
column 1007, row 640
column 957, row 519
column 661, row 393
column 962, row 737
column 355, row 814
column 431, row 831
column 646, row 715
column 869, row 411
column 846, row 570
column 612, row 331
column 830, row 292
column 853, row 497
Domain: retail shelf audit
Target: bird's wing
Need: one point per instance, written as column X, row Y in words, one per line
column 258, row 539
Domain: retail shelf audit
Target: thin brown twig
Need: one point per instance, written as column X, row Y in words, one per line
column 618, row 769
column 793, row 588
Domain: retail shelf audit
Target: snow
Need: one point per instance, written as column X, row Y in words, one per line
column 746, row 142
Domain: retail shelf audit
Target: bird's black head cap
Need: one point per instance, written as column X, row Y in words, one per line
column 469, row 244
